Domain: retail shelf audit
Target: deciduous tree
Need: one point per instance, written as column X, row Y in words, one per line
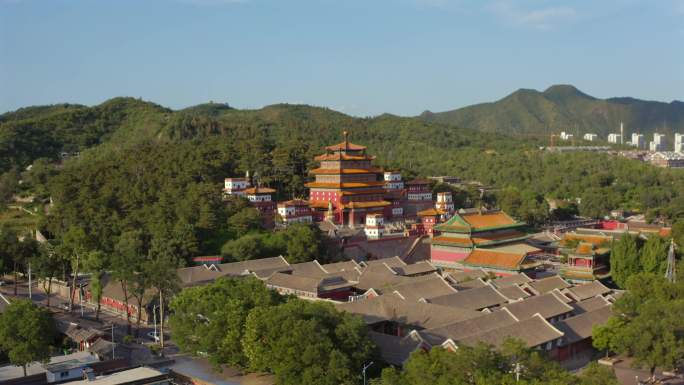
column 624, row 259
column 306, row 343
column 647, row 323
column 211, row 318
column 26, row 332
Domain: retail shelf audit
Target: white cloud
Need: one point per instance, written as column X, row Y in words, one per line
column 541, row 18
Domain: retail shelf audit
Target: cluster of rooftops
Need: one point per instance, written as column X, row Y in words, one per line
column 466, row 308
column 416, row 306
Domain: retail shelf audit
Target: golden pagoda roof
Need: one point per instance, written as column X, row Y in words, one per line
column 344, row 185
column 334, row 171
column 345, row 146
column 341, row 156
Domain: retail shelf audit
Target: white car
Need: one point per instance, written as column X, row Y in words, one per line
column 154, row 336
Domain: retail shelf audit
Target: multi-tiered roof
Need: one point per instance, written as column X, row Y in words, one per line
column 491, row 240
column 480, row 229
column 347, row 180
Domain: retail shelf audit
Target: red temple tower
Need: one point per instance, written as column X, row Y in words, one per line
column 349, row 184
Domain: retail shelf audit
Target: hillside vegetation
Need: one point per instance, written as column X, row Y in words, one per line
column 565, row 108
column 161, row 171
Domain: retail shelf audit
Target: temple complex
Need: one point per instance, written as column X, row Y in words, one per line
column 347, row 187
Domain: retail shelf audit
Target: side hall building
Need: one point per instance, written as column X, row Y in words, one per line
column 489, row 240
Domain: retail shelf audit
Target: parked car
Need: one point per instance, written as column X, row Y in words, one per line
column 64, row 306
column 154, row 336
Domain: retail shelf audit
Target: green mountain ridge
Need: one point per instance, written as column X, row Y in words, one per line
column 120, row 123
column 565, row 108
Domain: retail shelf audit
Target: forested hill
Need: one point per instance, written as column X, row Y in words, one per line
column 43, row 132
column 145, row 168
column 565, row 108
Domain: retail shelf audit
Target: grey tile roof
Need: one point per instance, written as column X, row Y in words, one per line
column 590, row 304
column 382, row 277
column 515, row 279
column 391, row 262
column 474, row 299
column 430, row 287
column 472, row 284
column 422, row 267
column 195, row 275
column 308, row 269
column 418, row 314
column 463, row 329
column 548, row 305
column 533, row 331
column 587, row 290
column 579, row 327
column 336, row 267
column 463, row 276
column 513, row 292
column 307, row 284
column 545, row 285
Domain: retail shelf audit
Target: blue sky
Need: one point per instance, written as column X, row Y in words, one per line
column 361, row 57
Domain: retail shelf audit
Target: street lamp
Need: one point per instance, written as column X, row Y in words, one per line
column 366, row 366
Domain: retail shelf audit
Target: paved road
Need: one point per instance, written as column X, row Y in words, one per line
column 86, row 317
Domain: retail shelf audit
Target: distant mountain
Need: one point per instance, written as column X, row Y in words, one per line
column 565, row 108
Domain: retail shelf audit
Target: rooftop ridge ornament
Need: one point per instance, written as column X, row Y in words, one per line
column 345, row 133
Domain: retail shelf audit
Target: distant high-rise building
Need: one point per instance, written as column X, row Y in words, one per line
column 590, row 137
column 679, row 143
column 638, row 141
column 658, row 143
column 614, row 138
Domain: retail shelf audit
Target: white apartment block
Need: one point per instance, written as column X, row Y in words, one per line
column 590, row 137
column 679, row 143
column 658, row 143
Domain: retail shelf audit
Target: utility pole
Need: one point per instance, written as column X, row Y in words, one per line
column 161, row 323
column 154, row 313
column 29, row 283
column 113, row 342
column 80, row 297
